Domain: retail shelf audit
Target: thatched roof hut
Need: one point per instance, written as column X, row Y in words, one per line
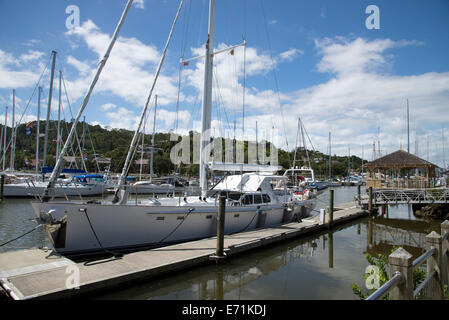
column 402, row 170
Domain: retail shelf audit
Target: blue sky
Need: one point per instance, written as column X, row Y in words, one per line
column 310, row 59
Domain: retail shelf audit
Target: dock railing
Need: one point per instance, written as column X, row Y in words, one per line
column 400, row 285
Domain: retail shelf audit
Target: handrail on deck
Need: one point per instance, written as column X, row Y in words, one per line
column 387, row 287
column 437, row 269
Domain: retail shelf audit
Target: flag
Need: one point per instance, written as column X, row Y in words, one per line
column 232, row 52
column 186, row 63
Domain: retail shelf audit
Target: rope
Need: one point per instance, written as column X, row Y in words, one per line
column 176, row 228
column 256, row 214
column 39, row 225
column 115, row 254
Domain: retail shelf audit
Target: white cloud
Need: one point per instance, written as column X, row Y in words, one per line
column 31, row 56
column 140, row 4
column 82, row 66
column 363, row 94
column 108, row 106
column 32, row 42
column 129, row 72
column 290, row 54
column 16, row 72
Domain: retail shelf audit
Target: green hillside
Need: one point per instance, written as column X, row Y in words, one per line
column 114, row 144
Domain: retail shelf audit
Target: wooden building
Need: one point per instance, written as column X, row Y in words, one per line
column 400, row 170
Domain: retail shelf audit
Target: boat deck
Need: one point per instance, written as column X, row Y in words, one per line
column 42, row 274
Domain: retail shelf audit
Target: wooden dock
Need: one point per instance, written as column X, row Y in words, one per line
column 42, row 274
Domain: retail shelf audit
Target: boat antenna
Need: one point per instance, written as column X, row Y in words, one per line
column 102, row 63
column 136, row 133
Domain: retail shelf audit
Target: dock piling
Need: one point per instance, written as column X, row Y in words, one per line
column 219, row 253
column 370, row 201
column 331, row 208
column 2, row 184
column 359, row 197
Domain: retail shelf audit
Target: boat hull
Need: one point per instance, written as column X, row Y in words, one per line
column 89, row 228
column 25, row 190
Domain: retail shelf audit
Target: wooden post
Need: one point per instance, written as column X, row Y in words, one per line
column 359, row 195
column 370, row 201
column 445, row 253
column 401, row 261
column 331, row 208
column 434, row 290
column 2, row 185
column 331, row 249
column 220, row 226
column 219, row 292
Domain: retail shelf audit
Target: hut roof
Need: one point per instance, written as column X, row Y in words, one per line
column 400, row 158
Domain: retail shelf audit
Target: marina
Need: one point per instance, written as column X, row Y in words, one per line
column 333, row 258
column 215, row 204
column 37, row 273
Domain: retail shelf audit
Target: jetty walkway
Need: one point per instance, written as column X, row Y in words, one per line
column 43, row 274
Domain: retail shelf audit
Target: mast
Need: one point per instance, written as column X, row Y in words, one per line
column 257, row 146
column 142, row 152
column 101, row 64
column 49, row 108
column 13, row 145
column 38, row 127
column 330, row 157
column 408, row 130
column 58, row 134
column 296, row 144
column 83, row 138
column 4, row 138
column 152, row 141
column 132, row 147
column 304, row 145
column 207, row 102
column 362, row 158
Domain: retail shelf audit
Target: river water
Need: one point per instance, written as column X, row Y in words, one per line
column 322, row 266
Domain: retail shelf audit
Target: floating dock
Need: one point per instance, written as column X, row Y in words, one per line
column 43, row 274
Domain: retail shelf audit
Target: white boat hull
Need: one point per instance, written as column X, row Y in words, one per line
column 132, row 227
column 60, row 191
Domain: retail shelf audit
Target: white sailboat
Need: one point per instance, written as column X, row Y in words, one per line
column 253, row 200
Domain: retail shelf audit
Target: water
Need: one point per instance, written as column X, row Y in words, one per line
column 322, row 266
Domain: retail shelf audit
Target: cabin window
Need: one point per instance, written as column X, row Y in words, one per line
column 234, row 196
column 257, row 198
column 266, row 198
column 248, row 199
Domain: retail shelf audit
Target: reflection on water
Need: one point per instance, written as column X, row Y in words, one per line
column 322, row 266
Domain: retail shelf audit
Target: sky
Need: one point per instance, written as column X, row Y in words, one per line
column 339, row 66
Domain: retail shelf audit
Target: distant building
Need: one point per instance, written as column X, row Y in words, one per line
column 400, row 170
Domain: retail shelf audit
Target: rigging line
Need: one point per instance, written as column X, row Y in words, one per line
column 183, row 48
column 10, row 140
column 93, row 148
column 34, row 91
column 59, row 162
column 244, row 92
column 313, row 148
column 275, row 76
column 67, row 129
column 220, row 98
column 76, row 132
column 134, row 140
